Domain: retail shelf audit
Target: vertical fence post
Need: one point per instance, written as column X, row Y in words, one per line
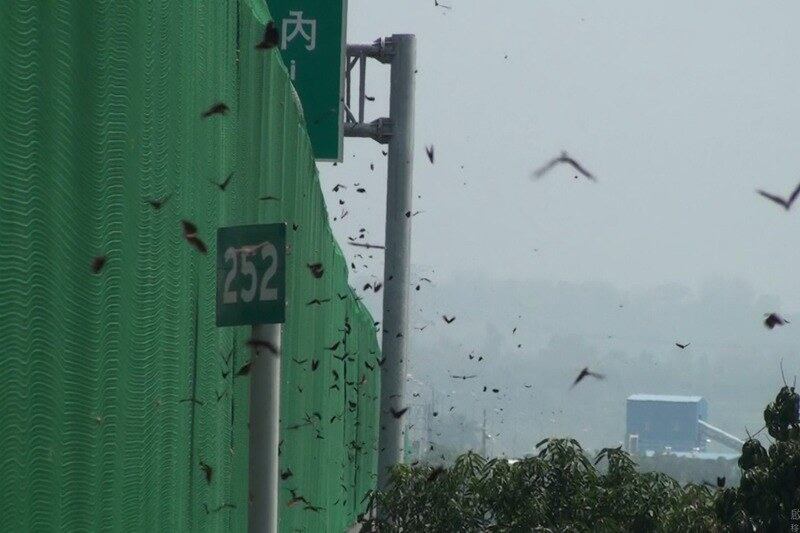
column 265, row 410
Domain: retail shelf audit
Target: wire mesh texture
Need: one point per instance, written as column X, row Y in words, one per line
column 120, row 403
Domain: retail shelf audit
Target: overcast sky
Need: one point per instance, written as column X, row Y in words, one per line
column 682, row 109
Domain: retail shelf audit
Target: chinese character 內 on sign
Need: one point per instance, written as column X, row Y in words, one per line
column 299, row 23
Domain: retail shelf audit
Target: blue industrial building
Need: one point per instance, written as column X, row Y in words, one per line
column 659, row 422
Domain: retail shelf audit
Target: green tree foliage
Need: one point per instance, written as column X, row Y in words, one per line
column 562, row 489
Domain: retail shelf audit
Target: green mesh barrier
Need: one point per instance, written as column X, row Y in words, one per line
column 115, row 387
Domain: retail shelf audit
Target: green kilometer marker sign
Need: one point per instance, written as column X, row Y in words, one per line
column 313, row 46
column 251, row 275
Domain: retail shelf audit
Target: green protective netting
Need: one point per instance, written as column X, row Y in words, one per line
column 101, row 110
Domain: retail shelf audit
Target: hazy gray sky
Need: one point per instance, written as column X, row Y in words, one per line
column 682, row 109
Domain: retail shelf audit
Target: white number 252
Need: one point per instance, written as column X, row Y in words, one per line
column 265, row 294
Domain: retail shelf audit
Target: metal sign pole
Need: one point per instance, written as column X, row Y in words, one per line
column 398, row 132
column 251, row 290
column 397, row 262
column 265, row 394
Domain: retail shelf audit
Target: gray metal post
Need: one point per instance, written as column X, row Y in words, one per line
column 265, row 394
column 483, row 436
column 397, row 255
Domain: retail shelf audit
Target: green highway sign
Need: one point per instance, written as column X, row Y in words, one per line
column 313, row 46
column 251, row 275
